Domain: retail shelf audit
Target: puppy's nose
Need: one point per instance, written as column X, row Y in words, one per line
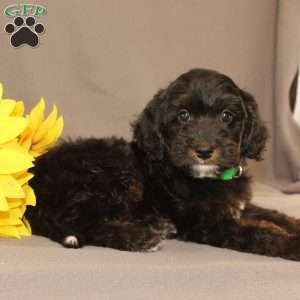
column 205, row 152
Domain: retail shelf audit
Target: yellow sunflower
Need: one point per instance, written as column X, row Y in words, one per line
column 22, row 139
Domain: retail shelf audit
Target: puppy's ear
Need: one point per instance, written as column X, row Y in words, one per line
column 146, row 129
column 255, row 132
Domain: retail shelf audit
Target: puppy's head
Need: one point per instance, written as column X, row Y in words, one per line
column 202, row 123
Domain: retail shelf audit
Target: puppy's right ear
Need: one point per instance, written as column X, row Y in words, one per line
column 256, row 133
column 146, row 129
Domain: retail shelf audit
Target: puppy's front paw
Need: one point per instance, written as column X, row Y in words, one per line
column 156, row 248
column 157, row 234
column 235, row 212
column 165, row 228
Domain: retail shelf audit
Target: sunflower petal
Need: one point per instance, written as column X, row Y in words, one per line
column 35, row 118
column 13, row 161
column 1, row 90
column 51, row 136
column 36, row 115
column 16, row 213
column 27, row 226
column 23, row 177
column 3, row 202
column 46, row 125
column 11, row 127
column 30, row 196
column 26, row 143
column 15, row 146
column 10, row 221
column 36, row 153
column 18, row 110
column 14, row 203
column 9, row 231
column 11, row 187
column 6, row 107
column 23, row 229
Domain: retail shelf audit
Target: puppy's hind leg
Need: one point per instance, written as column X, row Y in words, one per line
column 288, row 223
column 249, row 235
column 68, row 238
column 74, row 241
column 71, row 241
column 53, row 228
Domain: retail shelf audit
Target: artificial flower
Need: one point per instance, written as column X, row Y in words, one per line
column 22, row 139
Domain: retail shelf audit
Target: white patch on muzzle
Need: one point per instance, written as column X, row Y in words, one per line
column 204, row 171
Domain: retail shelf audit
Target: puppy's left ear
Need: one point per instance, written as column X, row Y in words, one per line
column 255, row 132
column 146, row 129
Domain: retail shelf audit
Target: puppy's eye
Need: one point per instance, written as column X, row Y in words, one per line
column 226, row 116
column 184, row 115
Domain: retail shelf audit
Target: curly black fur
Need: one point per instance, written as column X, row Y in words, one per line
column 133, row 195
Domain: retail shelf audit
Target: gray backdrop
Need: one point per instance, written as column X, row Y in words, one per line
column 101, row 61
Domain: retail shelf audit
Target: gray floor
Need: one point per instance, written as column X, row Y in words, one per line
column 36, row 268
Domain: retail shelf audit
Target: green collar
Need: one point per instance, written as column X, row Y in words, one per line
column 231, row 173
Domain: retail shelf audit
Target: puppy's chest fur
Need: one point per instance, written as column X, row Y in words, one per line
column 206, row 202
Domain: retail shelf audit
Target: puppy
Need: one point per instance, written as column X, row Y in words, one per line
column 183, row 175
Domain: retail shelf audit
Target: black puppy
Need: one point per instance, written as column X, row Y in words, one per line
column 183, row 174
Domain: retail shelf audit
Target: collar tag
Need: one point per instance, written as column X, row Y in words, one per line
column 231, row 173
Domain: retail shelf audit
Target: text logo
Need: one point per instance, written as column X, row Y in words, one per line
column 23, row 9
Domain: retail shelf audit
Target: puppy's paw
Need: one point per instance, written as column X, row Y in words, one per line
column 157, row 247
column 165, row 228
column 71, row 241
column 235, row 212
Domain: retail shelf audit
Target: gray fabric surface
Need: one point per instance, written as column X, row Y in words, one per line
column 286, row 137
column 102, row 61
column 36, row 268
